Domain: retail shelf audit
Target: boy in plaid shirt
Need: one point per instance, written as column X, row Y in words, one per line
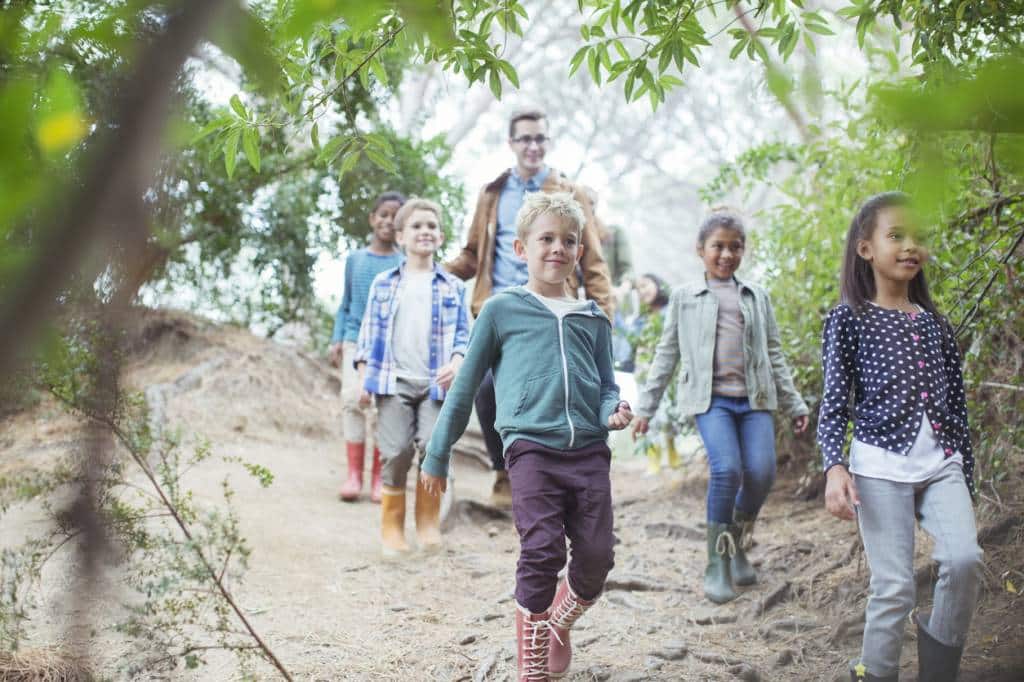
column 411, row 344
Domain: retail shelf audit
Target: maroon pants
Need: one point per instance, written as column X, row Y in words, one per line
column 558, row 494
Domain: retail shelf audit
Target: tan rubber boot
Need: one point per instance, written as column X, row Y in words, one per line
column 428, row 518
column 501, row 491
column 392, row 522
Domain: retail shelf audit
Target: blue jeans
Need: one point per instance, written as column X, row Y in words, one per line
column 741, row 454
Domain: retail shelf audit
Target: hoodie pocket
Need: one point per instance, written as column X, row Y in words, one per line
column 585, row 404
column 541, row 401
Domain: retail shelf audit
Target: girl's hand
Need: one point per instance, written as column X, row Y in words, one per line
column 640, row 425
column 621, row 417
column 334, row 354
column 446, row 375
column 432, row 484
column 841, row 496
column 800, row 423
column 365, row 398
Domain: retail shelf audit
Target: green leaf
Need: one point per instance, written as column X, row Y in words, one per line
column 348, row 162
column 231, row 151
column 495, row 82
column 621, row 49
column 510, row 72
column 251, row 147
column 210, row 128
column 239, row 108
column 380, row 160
column 577, row 59
column 615, row 12
column 820, row 29
column 738, row 47
column 378, row 70
column 665, row 59
column 594, row 65
column 314, row 136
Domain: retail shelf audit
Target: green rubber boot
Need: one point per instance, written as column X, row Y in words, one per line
column 718, row 576
column 742, row 530
column 936, row 662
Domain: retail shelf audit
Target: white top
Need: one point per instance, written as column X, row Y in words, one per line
column 925, row 458
column 411, row 338
column 563, row 305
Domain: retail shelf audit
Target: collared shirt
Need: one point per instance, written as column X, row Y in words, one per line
column 901, row 367
column 449, row 328
column 509, row 269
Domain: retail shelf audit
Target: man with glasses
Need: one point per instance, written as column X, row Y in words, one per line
column 489, row 257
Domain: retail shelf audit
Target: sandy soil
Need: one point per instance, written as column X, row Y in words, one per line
column 331, row 609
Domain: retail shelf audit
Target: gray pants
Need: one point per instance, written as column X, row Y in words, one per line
column 405, row 420
column 886, row 518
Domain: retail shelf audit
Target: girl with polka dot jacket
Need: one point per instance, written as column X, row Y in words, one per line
column 910, row 456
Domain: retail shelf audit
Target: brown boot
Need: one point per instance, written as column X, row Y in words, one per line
column 565, row 611
column 392, row 522
column 501, row 491
column 353, row 485
column 376, row 484
column 533, row 631
column 428, row 518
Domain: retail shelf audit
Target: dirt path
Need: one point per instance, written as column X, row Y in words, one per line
column 332, row 609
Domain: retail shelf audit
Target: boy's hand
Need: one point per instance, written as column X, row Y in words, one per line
column 800, row 423
column 446, row 375
column 365, row 398
column 841, row 496
column 621, row 417
column 640, row 426
column 334, row 354
column 433, row 484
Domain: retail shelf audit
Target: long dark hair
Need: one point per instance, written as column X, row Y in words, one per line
column 660, row 298
column 857, row 281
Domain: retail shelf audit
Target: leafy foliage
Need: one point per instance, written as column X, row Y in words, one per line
column 969, row 188
column 177, row 555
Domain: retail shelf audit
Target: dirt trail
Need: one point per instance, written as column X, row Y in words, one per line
column 331, row 609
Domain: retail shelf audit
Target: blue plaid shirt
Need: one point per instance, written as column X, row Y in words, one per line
column 449, row 333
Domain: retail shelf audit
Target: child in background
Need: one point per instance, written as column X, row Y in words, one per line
column 411, row 344
column 911, row 451
column 361, row 267
column 721, row 330
column 551, row 359
column 653, row 293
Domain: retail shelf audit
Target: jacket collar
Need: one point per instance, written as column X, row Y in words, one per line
column 700, row 286
column 554, row 179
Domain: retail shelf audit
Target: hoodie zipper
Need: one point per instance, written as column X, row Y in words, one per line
column 565, row 378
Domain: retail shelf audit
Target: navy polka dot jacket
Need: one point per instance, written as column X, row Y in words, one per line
column 900, row 366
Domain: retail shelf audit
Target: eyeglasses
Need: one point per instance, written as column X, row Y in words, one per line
column 525, row 140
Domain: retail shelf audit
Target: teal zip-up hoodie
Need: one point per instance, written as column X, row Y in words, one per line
column 553, row 380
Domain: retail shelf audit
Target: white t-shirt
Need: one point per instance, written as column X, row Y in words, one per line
column 410, row 342
column 563, row 305
column 925, row 458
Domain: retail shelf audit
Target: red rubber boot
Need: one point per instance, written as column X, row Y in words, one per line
column 376, row 484
column 353, row 485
